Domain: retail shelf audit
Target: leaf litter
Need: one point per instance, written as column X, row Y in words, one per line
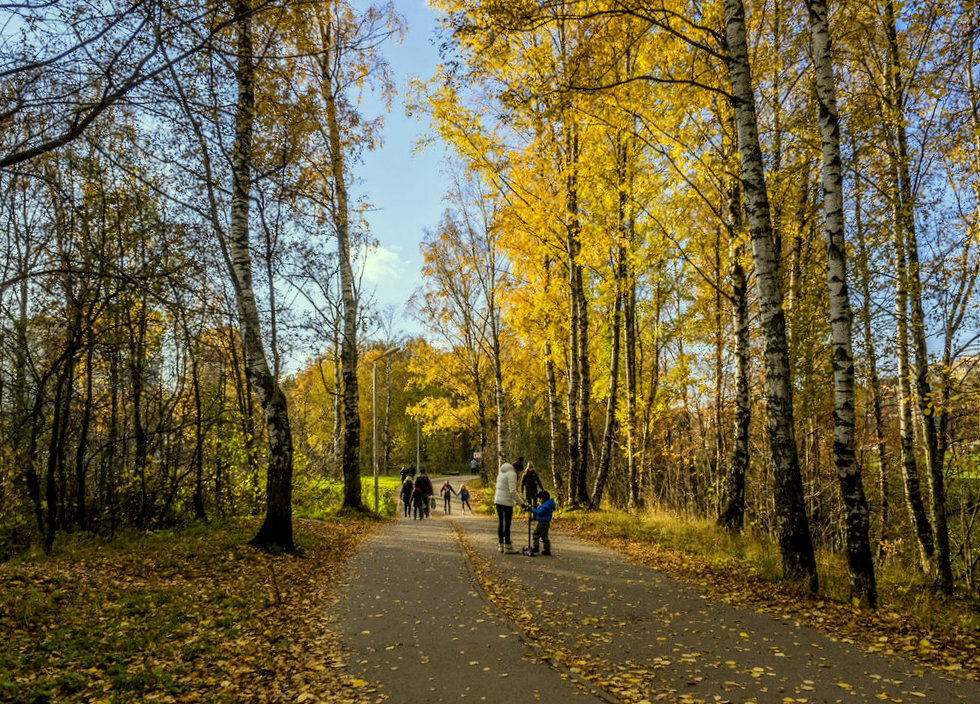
column 191, row 618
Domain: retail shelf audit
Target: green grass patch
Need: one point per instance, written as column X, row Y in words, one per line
column 321, row 498
column 167, row 615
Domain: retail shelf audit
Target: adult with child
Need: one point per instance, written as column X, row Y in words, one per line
column 425, row 484
column 505, row 498
column 531, row 485
column 406, row 496
column 447, row 492
column 542, row 515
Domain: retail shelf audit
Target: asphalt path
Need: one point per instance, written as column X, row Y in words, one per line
column 419, row 628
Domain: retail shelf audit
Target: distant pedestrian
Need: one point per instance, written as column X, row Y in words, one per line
column 542, row 514
column 447, row 492
column 530, row 485
column 418, row 504
column 474, row 466
column 464, row 499
column 411, row 470
column 406, row 496
column 404, row 473
column 504, row 499
column 425, row 484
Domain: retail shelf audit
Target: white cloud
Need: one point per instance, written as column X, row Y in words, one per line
column 381, row 266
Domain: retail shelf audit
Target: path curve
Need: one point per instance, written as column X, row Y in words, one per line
column 418, row 625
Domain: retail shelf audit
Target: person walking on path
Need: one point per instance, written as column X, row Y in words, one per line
column 406, row 496
column 403, row 473
column 464, row 499
column 531, row 485
column 425, row 484
column 504, row 499
column 447, row 492
column 542, row 514
column 418, row 503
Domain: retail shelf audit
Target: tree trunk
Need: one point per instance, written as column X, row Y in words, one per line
column 81, row 498
column 732, row 515
column 874, row 384
column 927, row 405
column 276, row 531
column 795, row 542
column 902, row 212
column 385, row 426
column 351, row 468
column 609, row 430
column 860, row 564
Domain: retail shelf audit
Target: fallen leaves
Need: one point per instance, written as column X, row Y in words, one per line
column 185, row 618
column 951, row 650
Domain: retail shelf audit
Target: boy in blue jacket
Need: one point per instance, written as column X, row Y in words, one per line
column 542, row 514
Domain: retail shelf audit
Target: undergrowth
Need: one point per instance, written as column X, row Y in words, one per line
column 901, row 588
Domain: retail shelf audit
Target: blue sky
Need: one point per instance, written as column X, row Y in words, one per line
column 404, row 184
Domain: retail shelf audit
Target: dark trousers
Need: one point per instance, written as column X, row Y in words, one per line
column 419, row 511
column 541, row 536
column 447, row 503
column 408, row 507
column 505, row 514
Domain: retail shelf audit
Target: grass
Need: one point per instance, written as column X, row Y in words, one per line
column 901, row 589
column 193, row 615
column 320, row 498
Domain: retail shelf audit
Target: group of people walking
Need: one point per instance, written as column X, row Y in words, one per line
column 417, row 494
column 516, row 486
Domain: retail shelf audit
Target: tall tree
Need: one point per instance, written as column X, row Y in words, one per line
column 795, row 541
column 277, row 528
column 859, row 560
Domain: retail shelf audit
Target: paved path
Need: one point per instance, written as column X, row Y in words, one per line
column 420, row 629
column 419, row 626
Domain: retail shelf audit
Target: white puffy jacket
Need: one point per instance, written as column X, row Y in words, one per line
column 506, row 493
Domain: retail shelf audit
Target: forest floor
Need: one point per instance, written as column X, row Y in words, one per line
column 431, row 612
column 194, row 616
column 428, row 611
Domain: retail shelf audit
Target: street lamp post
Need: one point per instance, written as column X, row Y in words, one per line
column 374, row 420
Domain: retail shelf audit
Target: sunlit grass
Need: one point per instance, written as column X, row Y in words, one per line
column 901, row 587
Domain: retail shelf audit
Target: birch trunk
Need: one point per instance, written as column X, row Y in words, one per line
column 277, row 528
column 910, row 471
column 795, row 541
column 904, row 240
column 874, row 383
column 609, row 429
column 859, row 561
column 554, row 403
column 554, row 424
column 350, row 463
column 629, row 333
column 574, row 380
column 732, row 515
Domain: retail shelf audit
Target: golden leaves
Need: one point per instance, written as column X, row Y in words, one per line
column 178, row 619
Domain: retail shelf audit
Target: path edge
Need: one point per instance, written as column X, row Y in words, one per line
column 512, row 625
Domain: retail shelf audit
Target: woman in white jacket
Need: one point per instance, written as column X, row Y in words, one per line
column 505, row 498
